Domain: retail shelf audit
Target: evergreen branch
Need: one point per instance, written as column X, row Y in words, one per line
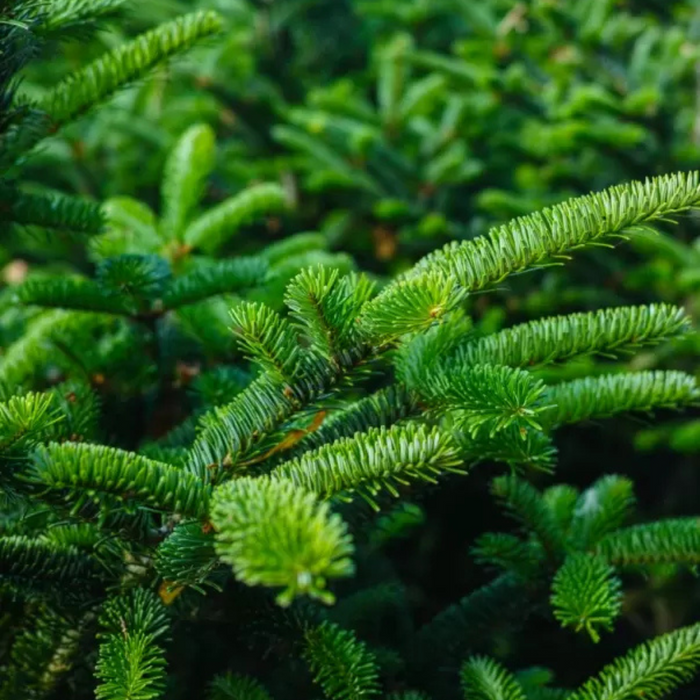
column 213, row 228
column 65, row 15
column 530, row 449
column 231, row 431
column 269, row 339
column 469, row 623
column 536, row 684
column 40, row 566
column 486, row 397
column 652, row 670
column 586, row 594
column 340, row 663
column 601, row 510
column 78, row 408
column 131, row 664
column 485, row 679
column 115, row 69
column 372, row 461
column 419, row 355
column 235, row 276
column 555, row 231
column 275, row 534
column 233, row 686
column 607, row 395
column 134, row 277
column 529, row 241
column 410, row 306
column 563, row 500
column 326, row 306
column 526, row 505
column 674, row 541
column 185, row 174
column 83, row 470
column 507, row 552
column 384, row 408
column 187, row 557
column 57, row 212
column 22, row 417
column 396, row 523
column 73, row 293
column 605, row 332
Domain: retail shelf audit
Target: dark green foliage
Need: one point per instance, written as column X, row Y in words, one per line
column 586, row 594
column 341, row 664
column 131, row 663
column 242, row 462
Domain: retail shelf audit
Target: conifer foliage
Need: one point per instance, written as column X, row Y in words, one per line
column 287, row 410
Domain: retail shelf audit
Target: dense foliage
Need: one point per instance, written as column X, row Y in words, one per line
column 280, row 414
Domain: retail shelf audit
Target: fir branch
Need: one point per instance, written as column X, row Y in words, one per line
column 212, row 229
column 665, row 541
column 83, row 470
column 524, row 503
column 73, row 293
column 485, row 679
column 275, row 534
column 652, row 670
column 410, row 306
column 23, row 417
column 601, row 510
column 234, row 276
column 33, row 566
column 508, row 553
column 229, row 432
column 487, row 398
column 187, row 557
column 586, row 594
column 340, row 663
column 79, row 409
column 189, row 164
column 419, row 355
column 469, row 624
column 606, row 332
column 563, row 501
column 555, row 231
column 117, row 68
column 607, row 395
column 384, row 408
column 529, row 241
column 66, row 15
column 57, row 212
column 325, row 306
column 519, row 449
column 234, row 686
column 269, row 339
column 136, row 278
column 373, row 461
column 131, row 664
